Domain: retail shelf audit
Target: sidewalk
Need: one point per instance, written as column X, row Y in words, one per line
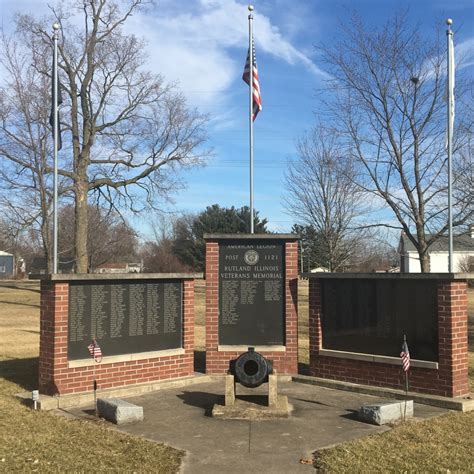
column 322, row 417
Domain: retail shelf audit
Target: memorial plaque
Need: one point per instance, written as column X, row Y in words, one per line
column 251, row 293
column 372, row 316
column 125, row 317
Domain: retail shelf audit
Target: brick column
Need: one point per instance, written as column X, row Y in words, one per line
column 212, row 307
column 452, row 333
column 53, row 335
column 289, row 362
column 187, row 362
column 314, row 330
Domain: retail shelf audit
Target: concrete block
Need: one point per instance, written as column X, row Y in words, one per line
column 272, row 390
column 229, row 390
column 119, row 411
column 383, row 413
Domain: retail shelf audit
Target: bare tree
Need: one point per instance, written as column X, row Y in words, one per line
column 322, row 194
column 25, row 145
column 126, row 132
column 158, row 254
column 110, row 238
column 388, row 86
column 466, row 264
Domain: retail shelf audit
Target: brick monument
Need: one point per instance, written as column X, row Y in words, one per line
column 143, row 323
column 251, row 299
column 431, row 308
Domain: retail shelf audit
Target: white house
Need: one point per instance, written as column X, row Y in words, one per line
column 7, row 266
column 119, row 268
column 463, row 252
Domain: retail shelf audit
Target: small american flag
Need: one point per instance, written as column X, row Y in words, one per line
column 405, row 356
column 95, row 351
column 257, row 98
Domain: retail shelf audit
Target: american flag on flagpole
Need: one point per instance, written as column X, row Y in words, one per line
column 95, row 350
column 405, row 356
column 257, row 98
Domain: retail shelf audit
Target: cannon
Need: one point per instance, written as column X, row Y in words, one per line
column 251, row 369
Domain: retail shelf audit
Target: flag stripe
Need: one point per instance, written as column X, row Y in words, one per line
column 95, row 350
column 405, row 356
column 257, row 99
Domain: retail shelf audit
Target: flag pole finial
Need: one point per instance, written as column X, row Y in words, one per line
column 449, row 21
column 56, row 26
column 250, row 7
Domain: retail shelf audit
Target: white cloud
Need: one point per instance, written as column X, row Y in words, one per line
column 199, row 45
column 464, row 52
column 204, row 49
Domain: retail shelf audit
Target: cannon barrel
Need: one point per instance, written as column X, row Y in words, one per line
column 251, row 369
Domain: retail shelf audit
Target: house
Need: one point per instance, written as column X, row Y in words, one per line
column 463, row 254
column 119, row 268
column 319, row 270
column 7, row 267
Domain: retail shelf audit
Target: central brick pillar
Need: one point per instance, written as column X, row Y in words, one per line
column 284, row 357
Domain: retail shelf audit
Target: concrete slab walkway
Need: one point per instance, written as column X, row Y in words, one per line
column 321, row 417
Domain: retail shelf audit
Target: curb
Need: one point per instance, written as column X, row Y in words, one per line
column 463, row 404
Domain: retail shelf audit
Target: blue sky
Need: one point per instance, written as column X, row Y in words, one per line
column 202, row 45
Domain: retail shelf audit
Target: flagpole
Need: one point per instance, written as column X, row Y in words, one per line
column 449, row 35
column 250, row 8
column 96, row 411
column 405, row 350
column 55, row 135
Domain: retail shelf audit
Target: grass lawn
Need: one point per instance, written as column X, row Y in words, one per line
column 439, row 445
column 39, row 441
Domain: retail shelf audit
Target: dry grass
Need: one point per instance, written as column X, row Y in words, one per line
column 32, row 441
column 438, row 445
column 441, row 444
column 39, row 441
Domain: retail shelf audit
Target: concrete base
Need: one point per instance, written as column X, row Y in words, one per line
column 464, row 404
column 229, row 390
column 273, row 391
column 246, row 410
column 47, row 402
column 384, row 413
column 119, row 411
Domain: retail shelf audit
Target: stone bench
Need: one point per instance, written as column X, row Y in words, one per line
column 119, row 411
column 383, row 413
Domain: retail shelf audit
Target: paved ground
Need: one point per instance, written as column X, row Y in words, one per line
column 321, row 417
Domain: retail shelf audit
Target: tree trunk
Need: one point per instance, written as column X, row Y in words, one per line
column 425, row 262
column 81, row 226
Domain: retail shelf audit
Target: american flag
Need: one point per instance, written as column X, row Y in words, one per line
column 257, row 98
column 59, row 102
column 405, row 355
column 95, row 351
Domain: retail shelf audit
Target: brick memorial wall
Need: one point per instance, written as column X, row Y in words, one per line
column 251, row 299
column 431, row 308
column 144, row 324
